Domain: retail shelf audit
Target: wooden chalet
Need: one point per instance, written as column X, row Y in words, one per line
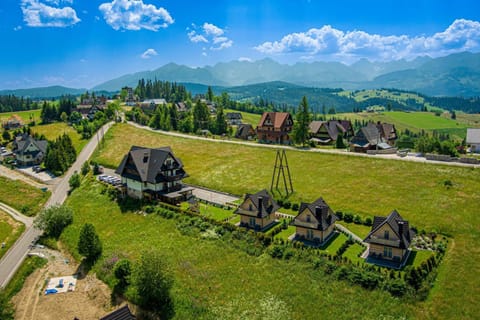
column 275, row 127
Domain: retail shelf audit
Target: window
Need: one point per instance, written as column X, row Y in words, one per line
column 308, row 218
column 309, row 234
column 387, row 252
column 252, row 222
column 250, row 208
column 386, row 235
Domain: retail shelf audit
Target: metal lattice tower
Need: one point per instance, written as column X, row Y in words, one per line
column 281, row 165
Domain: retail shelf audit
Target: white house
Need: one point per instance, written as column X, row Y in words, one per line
column 473, row 140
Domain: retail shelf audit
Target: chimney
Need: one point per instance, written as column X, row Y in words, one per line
column 318, row 211
column 145, row 157
column 401, row 229
column 260, row 205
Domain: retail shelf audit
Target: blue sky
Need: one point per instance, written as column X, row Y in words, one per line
column 81, row 43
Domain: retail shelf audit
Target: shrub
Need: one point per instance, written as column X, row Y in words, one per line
column 348, row 217
column 276, row 251
column 357, row 219
column 339, row 215
column 368, row 221
column 295, row 207
column 287, row 204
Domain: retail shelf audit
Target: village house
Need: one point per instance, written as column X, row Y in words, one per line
column 327, row 132
column 257, row 211
column 315, row 222
column 149, row 105
column 275, row 127
column 153, row 174
column 29, row 151
column 373, row 137
column 473, row 140
column 181, row 107
column 130, row 98
column 389, row 240
column 14, row 122
column 234, row 118
column 245, row 131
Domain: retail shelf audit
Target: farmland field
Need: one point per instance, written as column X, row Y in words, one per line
column 364, row 186
column 27, row 116
column 54, row 130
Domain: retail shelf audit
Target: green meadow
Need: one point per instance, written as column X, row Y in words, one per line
column 21, row 196
column 56, row 129
column 364, row 186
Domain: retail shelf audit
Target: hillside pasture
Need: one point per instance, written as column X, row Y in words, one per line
column 363, row 186
column 27, row 116
column 53, row 130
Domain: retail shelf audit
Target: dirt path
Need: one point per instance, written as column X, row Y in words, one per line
column 90, row 300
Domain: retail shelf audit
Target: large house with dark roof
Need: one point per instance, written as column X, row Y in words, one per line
column 257, row 211
column 245, row 131
column 29, row 151
column 315, row 222
column 473, row 140
column 234, row 118
column 275, row 127
column 389, row 239
column 327, row 132
column 380, row 136
column 154, row 174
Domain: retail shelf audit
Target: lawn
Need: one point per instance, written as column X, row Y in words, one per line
column 216, row 213
column 21, row 196
column 284, row 234
column 213, row 280
column 359, row 229
column 10, row 230
column 365, row 186
column 54, row 130
column 334, row 243
column 353, row 251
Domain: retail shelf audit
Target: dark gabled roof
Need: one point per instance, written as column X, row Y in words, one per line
column 387, row 130
column 334, row 127
column 25, row 140
column 397, row 224
column 148, row 162
column 122, row 313
column 233, row 115
column 367, row 135
column 277, row 118
column 244, row 130
column 321, row 211
column 268, row 206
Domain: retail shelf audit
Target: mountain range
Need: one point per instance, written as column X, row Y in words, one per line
column 453, row 75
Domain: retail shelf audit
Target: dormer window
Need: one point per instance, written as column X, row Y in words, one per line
column 386, row 235
column 308, row 218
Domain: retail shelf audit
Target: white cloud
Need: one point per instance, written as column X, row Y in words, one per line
column 209, row 33
column 135, row 15
column 38, row 14
column 460, row 36
column 149, row 53
column 244, row 59
column 17, row 28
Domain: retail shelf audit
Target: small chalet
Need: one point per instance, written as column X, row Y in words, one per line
column 372, row 137
column 473, row 140
column 389, row 239
column 14, row 122
column 275, row 127
column 149, row 105
column 327, row 132
column 181, row 107
column 234, row 118
column 122, row 313
column 29, row 151
column 257, row 211
column 315, row 222
column 130, row 98
column 245, row 131
column 154, row 174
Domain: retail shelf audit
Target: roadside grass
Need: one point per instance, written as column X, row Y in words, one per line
column 56, row 129
column 21, row 196
column 29, row 265
column 364, row 185
column 215, row 280
column 10, row 230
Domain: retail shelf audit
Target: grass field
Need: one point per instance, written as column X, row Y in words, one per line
column 365, row 186
column 10, row 230
column 359, row 229
column 54, row 130
column 23, row 197
column 27, row 116
column 215, row 281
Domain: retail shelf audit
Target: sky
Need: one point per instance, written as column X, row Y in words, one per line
column 82, row 43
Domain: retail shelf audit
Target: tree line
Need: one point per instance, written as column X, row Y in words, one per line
column 10, row 103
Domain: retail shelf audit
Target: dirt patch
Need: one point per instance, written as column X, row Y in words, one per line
column 90, row 300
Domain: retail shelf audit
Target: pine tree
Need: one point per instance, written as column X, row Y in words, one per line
column 89, row 244
column 301, row 126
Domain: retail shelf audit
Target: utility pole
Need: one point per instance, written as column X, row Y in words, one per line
column 281, row 168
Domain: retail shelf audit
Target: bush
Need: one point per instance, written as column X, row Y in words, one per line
column 276, row 251
column 54, row 219
column 287, row 204
column 357, row 219
column 339, row 214
column 295, row 207
column 348, row 217
column 368, row 221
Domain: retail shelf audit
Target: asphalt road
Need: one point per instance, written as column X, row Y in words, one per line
column 11, row 261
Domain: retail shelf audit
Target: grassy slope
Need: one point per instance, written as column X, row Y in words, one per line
column 211, row 275
column 54, row 130
column 365, row 186
column 25, row 115
column 18, row 194
column 10, row 230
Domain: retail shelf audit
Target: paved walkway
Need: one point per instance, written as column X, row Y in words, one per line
column 213, row 196
column 328, row 151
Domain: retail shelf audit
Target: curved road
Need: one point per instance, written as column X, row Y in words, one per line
column 328, row 151
column 11, row 261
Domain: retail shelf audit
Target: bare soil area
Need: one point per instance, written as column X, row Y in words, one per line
column 90, row 300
